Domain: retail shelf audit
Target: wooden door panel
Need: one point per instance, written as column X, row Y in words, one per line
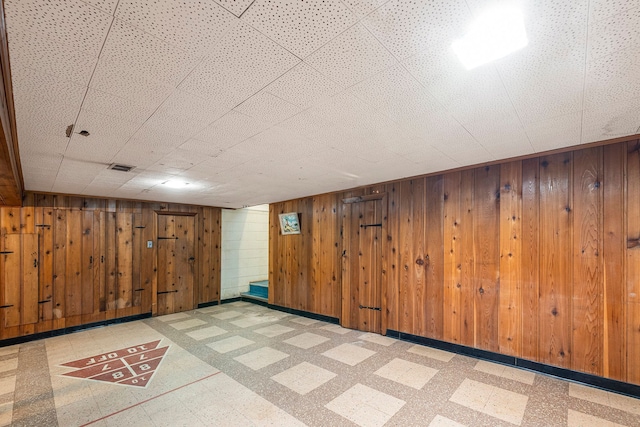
column 166, row 263
column 10, row 267
column 30, row 291
column 362, row 266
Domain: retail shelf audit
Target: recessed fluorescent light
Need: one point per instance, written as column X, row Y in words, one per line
column 493, row 35
column 174, row 183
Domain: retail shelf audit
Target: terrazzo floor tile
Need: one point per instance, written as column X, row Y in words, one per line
column 365, row 406
column 440, row 421
column 578, row 419
column 407, row 373
column 307, row 340
column 349, row 354
column 336, row 329
column 225, row 315
column 260, row 358
column 204, row 333
column 273, row 330
column 187, row 324
column 8, row 365
column 377, row 339
column 303, row 321
column 304, row 377
column 613, row 400
column 507, row 372
column 172, row 317
column 433, row 353
column 230, row 344
column 253, row 320
column 494, row 401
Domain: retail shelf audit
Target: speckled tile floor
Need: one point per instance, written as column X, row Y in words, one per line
column 242, row 364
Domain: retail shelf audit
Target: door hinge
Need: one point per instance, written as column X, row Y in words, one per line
column 370, row 308
column 6, row 252
column 140, row 289
column 167, row 292
column 6, row 306
column 167, row 238
column 370, row 225
column 44, row 301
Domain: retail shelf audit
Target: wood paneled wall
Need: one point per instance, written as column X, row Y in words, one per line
column 91, row 260
column 536, row 258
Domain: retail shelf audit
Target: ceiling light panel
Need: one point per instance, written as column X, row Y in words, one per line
column 267, row 108
column 351, row 57
column 193, row 26
column 409, row 27
column 300, row 27
column 243, row 62
column 303, row 86
column 63, row 38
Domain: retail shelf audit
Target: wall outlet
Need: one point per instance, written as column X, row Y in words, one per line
column 149, row 244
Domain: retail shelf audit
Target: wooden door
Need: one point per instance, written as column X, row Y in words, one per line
column 19, row 270
column 176, row 263
column 362, row 265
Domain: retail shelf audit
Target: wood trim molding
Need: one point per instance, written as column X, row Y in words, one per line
column 176, row 213
column 11, row 182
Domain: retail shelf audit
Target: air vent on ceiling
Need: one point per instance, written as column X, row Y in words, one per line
column 121, row 168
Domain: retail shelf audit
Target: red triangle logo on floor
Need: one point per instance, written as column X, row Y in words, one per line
column 133, row 366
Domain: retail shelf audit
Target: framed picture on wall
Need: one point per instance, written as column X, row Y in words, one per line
column 289, row 223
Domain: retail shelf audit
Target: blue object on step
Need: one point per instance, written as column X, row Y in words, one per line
column 258, row 289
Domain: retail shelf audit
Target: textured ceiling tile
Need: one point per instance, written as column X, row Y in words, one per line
column 177, row 162
column 144, row 55
column 237, row 7
column 561, row 131
column 63, row 37
column 362, row 8
column 149, row 141
column 348, row 111
column 611, row 121
column 42, row 120
column 619, row 32
column 114, row 106
column 308, row 124
column 300, row 26
column 351, row 57
column 229, row 130
column 111, row 78
column 303, row 86
column 602, row 9
column 194, row 26
column 612, row 79
column 183, row 126
column 108, row 6
column 183, row 104
column 242, row 62
column 408, row 27
column 267, row 108
column 275, row 140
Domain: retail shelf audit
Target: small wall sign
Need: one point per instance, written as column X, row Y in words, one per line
column 289, row 223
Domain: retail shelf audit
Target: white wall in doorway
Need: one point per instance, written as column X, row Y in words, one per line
column 245, row 249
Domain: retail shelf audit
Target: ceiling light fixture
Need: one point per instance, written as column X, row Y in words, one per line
column 493, row 35
column 176, row 184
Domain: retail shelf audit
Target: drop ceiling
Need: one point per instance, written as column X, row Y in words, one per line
column 253, row 102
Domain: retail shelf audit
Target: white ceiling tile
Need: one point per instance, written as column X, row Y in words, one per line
column 267, row 108
column 193, row 26
column 408, row 27
column 602, row 9
column 308, row 124
column 183, row 104
column 62, row 38
column 560, row 131
column 68, row 187
column 108, row 6
column 147, row 143
column 362, row 8
column 612, row 79
column 43, row 120
column 144, row 55
column 107, row 135
column 237, row 7
column 241, row 63
column 300, row 27
column 615, row 33
column 107, row 104
column 351, row 57
column 227, row 131
column 350, row 112
column 303, row 86
column 274, row 140
column 611, row 121
column 177, row 162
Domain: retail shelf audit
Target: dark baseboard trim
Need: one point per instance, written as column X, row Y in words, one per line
column 567, row 374
column 314, row 316
column 208, row 304
column 71, row 329
column 229, row 300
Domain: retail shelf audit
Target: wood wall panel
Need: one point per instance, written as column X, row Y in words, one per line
column 536, row 258
column 91, row 260
column 510, row 234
